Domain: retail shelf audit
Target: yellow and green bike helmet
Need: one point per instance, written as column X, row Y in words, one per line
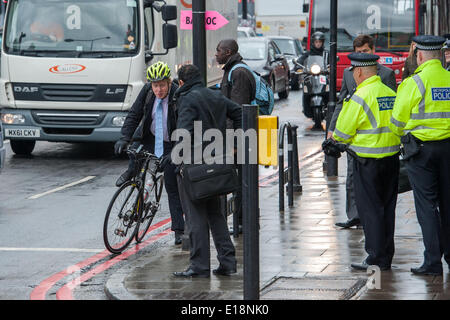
column 158, row 71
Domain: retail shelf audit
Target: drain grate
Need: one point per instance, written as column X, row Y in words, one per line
column 309, row 288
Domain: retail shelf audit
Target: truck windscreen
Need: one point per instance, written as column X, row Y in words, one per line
column 72, row 28
column 390, row 22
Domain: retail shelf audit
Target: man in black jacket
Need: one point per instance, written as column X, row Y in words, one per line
column 196, row 103
column 365, row 44
column 241, row 89
column 152, row 119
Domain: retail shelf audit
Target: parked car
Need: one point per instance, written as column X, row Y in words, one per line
column 245, row 32
column 264, row 57
column 2, row 148
column 292, row 49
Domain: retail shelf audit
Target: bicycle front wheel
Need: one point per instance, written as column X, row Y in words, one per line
column 121, row 218
column 151, row 206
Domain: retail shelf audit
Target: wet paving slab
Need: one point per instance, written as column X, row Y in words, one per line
column 303, row 255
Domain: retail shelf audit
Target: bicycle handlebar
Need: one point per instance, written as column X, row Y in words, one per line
column 140, row 151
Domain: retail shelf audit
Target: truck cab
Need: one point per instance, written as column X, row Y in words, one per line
column 70, row 70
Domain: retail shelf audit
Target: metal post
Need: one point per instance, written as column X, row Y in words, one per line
column 199, row 36
column 250, row 208
column 281, row 169
column 244, row 9
column 290, row 186
column 296, row 170
column 331, row 162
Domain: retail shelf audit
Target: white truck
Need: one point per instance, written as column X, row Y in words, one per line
column 71, row 69
column 281, row 18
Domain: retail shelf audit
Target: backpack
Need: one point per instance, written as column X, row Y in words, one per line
column 264, row 94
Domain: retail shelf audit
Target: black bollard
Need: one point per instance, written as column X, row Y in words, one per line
column 290, row 186
column 250, row 208
column 296, row 170
column 281, row 168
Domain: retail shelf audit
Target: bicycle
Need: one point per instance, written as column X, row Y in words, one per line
column 134, row 205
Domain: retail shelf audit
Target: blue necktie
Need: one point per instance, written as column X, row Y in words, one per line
column 159, row 133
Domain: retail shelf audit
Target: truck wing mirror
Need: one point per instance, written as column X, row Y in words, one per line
column 170, row 36
column 169, row 12
column 305, row 7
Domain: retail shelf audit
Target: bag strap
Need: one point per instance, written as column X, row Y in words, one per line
column 239, row 65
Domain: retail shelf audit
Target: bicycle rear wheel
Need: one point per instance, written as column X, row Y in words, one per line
column 121, row 218
column 151, row 206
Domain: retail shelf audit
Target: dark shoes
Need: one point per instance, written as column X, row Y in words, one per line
column 189, row 273
column 427, row 271
column 178, row 237
column 349, row 223
column 124, row 177
column 364, row 265
column 224, row 271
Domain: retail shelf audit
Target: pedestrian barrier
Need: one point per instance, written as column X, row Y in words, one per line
column 290, row 175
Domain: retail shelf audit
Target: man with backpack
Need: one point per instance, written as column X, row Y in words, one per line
column 240, row 89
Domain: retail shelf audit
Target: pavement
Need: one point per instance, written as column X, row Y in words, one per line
column 303, row 255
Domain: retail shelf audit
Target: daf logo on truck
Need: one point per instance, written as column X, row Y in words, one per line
column 25, row 89
column 67, row 68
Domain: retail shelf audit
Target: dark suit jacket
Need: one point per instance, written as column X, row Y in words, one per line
column 197, row 103
column 349, row 86
column 139, row 119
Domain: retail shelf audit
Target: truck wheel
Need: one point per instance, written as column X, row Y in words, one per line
column 23, row 147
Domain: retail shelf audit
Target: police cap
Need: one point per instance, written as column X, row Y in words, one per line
column 360, row 59
column 447, row 45
column 428, row 43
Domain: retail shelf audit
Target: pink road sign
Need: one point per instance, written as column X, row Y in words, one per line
column 213, row 20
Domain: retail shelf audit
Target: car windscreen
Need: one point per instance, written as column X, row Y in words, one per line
column 390, row 22
column 39, row 27
column 253, row 50
column 286, row 46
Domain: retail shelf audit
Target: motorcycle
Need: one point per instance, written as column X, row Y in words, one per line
column 316, row 87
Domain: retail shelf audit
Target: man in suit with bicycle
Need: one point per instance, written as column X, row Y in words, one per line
column 152, row 119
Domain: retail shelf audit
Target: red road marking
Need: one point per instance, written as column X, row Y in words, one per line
column 41, row 290
column 65, row 293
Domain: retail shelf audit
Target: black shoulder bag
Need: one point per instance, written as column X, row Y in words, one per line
column 204, row 181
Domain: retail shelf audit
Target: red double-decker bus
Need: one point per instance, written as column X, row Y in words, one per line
column 392, row 23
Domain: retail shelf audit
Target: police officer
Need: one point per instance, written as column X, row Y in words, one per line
column 366, row 44
column 421, row 116
column 363, row 123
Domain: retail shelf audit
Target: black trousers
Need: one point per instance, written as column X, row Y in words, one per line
column 200, row 218
column 350, row 202
column 171, row 186
column 375, row 186
column 429, row 174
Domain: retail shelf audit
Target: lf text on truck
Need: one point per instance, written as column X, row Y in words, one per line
column 70, row 69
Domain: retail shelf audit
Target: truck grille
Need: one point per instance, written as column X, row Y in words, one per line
column 68, row 118
column 67, row 92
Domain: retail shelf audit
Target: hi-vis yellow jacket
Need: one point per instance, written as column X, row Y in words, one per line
column 422, row 106
column 364, row 120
